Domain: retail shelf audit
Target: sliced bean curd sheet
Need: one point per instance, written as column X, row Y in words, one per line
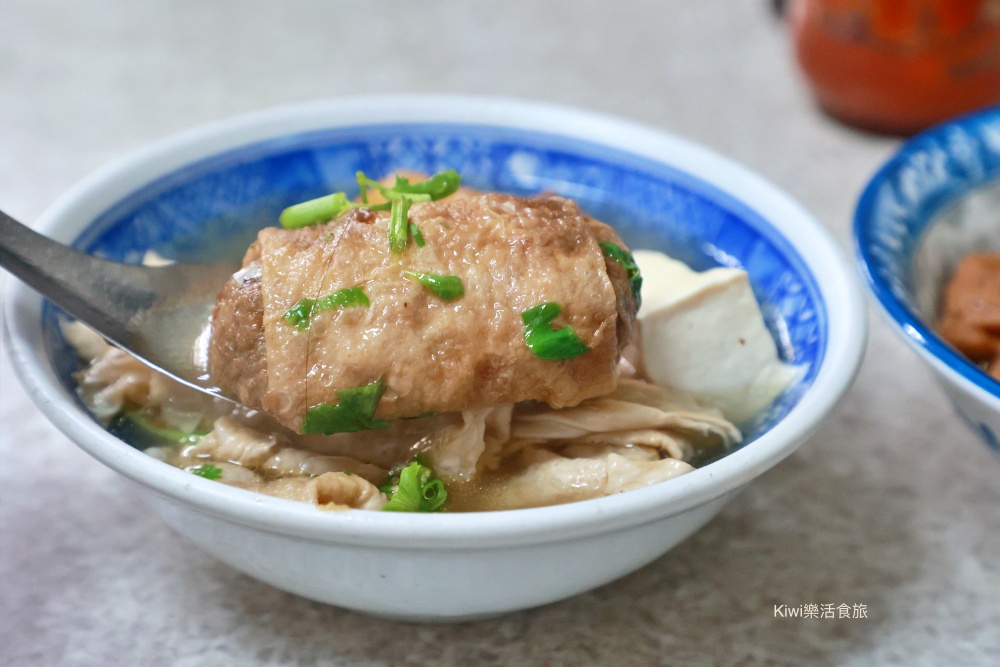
column 491, row 458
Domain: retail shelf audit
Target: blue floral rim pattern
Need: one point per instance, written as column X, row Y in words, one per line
column 216, row 206
column 928, row 173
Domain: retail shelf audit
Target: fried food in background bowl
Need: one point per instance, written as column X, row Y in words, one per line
column 934, row 205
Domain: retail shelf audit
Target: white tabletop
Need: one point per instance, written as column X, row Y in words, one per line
column 893, row 505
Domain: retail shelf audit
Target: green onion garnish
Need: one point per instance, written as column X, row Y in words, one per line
column 418, row 236
column 398, row 230
column 398, row 200
column 208, row 471
column 438, row 186
column 401, row 195
column 354, row 412
column 300, row 315
column 625, row 258
column 416, row 490
column 447, row 288
column 315, row 210
column 548, row 343
column 407, row 191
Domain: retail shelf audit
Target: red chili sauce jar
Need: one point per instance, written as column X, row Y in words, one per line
column 897, row 66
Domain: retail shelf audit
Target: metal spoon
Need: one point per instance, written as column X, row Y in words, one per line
column 157, row 313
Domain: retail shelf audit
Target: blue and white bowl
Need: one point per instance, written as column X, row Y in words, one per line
column 935, row 200
column 216, row 186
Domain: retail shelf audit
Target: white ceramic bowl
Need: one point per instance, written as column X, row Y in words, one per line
column 659, row 190
column 935, row 200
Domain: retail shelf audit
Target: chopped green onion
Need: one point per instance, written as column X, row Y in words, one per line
column 208, row 471
column 545, row 341
column 390, row 193
column 328, row 207
column 300, row 315
column 315, row 210
column 448, row 288
column 415, row 490
column 418, row 236
column 438, row 186
column 398, row 233
column 354, row 412
column 433, row 495
column 625, row 258
column 401, row 195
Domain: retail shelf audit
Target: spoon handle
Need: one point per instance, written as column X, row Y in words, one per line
column 102, row 293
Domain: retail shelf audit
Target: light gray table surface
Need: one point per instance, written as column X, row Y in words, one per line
column 893, row 504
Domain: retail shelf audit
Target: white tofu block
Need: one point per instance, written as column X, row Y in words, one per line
column 704, row 333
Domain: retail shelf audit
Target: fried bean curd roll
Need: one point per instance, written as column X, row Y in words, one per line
column 415, row 306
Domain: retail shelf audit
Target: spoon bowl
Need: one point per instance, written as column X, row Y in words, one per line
column 161, row 314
